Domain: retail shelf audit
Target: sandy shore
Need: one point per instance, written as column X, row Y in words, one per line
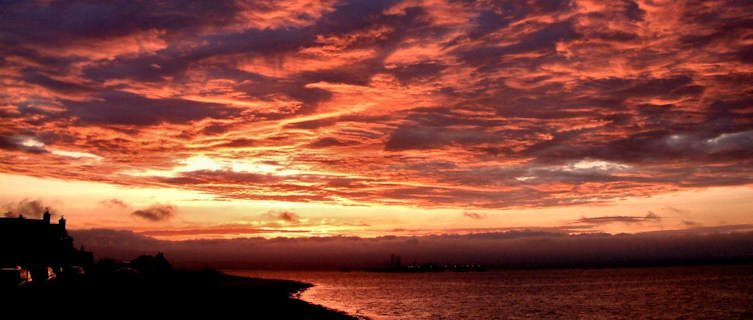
column 177, row 294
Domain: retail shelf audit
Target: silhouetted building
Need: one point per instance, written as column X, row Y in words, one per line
column 38, row 242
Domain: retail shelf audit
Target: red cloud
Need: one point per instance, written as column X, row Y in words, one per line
column 473, row 105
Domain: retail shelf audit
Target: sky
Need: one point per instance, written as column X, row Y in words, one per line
column 184, row 120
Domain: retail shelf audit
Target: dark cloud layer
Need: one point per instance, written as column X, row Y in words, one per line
column 501, row 249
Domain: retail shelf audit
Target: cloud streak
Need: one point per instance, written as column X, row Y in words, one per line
column 474, row 215
column 155, row 213
column 650, row 217
column 114, row 203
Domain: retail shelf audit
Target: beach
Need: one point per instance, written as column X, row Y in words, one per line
column 175, row 294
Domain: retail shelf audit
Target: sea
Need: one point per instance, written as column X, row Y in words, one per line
column 696, row 292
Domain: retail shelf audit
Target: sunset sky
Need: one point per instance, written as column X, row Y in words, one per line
column 224, row 119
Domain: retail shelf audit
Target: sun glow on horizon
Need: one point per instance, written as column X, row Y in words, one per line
column 85, row 206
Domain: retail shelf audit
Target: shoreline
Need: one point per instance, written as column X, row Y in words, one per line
column 348, row 315
column 297, row 294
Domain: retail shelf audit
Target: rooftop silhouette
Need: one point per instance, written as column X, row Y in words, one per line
column 27, row 242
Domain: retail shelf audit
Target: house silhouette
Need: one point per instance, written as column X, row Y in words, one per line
column 29, row 242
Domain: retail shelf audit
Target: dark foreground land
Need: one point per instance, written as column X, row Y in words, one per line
column 175, row 294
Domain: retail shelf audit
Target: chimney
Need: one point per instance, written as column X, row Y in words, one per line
column 46, row 216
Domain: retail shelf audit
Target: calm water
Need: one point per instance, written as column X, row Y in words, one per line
column 648, row 293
